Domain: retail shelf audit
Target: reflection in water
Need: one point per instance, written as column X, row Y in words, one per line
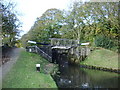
column 75, row 77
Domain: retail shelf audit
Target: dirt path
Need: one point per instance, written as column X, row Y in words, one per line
column 5, row 68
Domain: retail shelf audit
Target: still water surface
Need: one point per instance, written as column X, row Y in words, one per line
column 70, row 76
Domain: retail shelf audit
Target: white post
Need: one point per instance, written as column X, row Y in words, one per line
column 30, row 50
column 38, row 67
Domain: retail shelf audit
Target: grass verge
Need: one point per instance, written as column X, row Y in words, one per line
column 24, row 75
column 102, row 58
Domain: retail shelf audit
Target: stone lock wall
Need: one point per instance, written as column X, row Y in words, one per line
column 77, row 54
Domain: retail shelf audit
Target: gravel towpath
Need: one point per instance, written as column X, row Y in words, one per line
column 5, row 68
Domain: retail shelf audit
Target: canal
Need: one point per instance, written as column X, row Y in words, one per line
column 71, row 76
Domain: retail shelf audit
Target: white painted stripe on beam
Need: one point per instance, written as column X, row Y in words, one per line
column 32, row 42
column 60, row 47
column 85, row 43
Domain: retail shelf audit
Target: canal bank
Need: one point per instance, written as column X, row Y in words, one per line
column 73, row 76
column 102, row 59
column 23, row 74
column 98, row 58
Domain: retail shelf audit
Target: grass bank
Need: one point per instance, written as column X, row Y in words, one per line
column 102, row 58
column 24, row 75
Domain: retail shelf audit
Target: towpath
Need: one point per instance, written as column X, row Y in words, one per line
column 5, row 68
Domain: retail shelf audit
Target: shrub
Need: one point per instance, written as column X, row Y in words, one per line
column 104, row 41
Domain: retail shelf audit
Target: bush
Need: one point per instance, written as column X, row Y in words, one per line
column 104, row 41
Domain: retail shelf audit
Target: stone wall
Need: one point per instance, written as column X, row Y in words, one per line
column 78, row 54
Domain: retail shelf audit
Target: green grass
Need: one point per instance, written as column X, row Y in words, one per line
column 102, row 58
column 24, row 75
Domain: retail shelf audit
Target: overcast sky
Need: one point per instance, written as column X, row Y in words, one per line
column 29, row 10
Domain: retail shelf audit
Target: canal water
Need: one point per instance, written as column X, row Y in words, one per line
column 71, row 76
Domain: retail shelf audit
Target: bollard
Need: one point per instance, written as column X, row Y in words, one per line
column 30, row 50
column 38, row 67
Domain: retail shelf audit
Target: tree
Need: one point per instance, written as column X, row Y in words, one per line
column 10, row 24
column 47, row 26
column 83, row 22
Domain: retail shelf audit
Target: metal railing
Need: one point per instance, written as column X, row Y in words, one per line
column 43, row 52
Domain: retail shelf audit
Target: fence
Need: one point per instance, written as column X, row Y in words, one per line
column 44, row 52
